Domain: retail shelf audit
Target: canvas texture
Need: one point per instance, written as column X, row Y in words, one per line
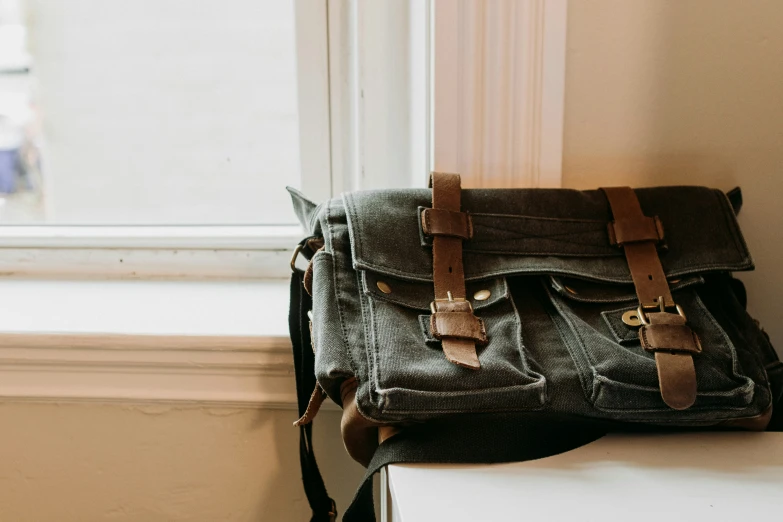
column 557, row 291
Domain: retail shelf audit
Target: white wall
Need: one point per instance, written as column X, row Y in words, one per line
column 662, row 92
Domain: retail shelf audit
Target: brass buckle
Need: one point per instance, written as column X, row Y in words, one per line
column 450, row 298
column 640, row 312
column 294, row 257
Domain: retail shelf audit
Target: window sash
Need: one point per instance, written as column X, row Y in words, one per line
column 340, row 132
column 356, row 132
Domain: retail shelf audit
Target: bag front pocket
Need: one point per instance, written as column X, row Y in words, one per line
column 617, row 374
column 410, row 376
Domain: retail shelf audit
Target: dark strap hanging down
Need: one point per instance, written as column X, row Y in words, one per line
column 322, row 506
column 664, row 331
column 452, row 320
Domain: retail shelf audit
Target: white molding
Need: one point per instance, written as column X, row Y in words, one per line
column 146, row 264
column 380, row 93
column 312, row 51
column 207, row 370
column 238, row 237
column 499, row 75
column 237, row 252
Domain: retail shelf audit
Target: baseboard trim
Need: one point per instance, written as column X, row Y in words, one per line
column 254, row 372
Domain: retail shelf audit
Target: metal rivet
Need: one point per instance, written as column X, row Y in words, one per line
column 631, row 318
column 383, row 287
column 482, row 295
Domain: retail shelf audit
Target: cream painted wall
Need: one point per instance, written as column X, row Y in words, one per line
column 665, row 92
column 122, row 463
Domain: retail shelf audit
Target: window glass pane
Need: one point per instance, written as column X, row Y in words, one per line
column 147, row 111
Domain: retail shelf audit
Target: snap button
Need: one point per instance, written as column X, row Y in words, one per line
column 631, row 318
column 482, row 295
column 383, row 287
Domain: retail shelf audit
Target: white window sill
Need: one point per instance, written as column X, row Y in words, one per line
column 212, row 342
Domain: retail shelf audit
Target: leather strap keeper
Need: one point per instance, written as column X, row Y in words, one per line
column 669, row 333
column 461, row 325
column 622, row 231
column 439, row 222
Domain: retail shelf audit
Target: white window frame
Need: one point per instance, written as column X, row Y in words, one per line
column 362, row 126
column 252, row 251
column 350, row 128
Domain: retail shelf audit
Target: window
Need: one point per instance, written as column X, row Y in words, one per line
column 153, row 138
column 150, row 112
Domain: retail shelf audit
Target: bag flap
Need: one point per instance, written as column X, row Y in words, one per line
column 545, row 231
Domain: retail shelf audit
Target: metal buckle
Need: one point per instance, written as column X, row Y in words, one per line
column 640, row 312
column 297, row 250
column 450, row 299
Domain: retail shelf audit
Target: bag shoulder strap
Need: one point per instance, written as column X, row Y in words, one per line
column 322, row 506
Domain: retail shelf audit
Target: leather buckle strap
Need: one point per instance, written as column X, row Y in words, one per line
column 456, row 319
column 458, row 329
column 665, row 334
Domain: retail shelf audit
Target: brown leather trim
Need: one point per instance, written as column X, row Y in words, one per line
column 624, row 231
column 360, row 435
column 316, row 400
column 667, row 333
column 677, row 379
column 461, row 352
column 307, row 280
column 315, row 244
column 669, row 337
column 757, row 423
column 462, row 325
column 440, row 222
column 387, row 432
column 448, row 273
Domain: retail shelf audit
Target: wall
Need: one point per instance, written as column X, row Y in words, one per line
column 684, row 92
column 91, row 462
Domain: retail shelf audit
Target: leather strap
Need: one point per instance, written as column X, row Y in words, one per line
column 313, row 406
column 641, row 252
column 665, row 333
column 668, row 332
column 448, row 274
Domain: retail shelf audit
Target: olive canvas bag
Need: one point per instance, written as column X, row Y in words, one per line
column 491, row 325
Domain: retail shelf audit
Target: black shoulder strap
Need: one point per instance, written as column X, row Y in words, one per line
column 504, row 438
column 322, row 505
